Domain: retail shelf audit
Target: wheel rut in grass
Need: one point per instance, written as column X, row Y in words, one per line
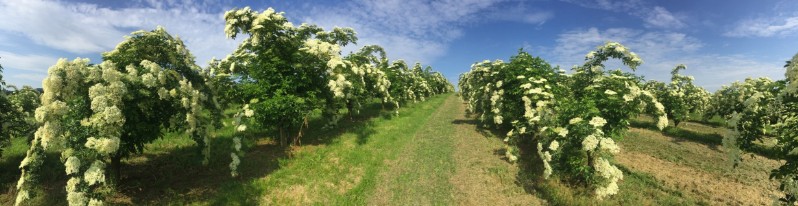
column 482, row 176
column 448, row 162
column 699, row 170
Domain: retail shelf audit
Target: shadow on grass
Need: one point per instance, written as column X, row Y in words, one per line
column 180, row 178
column 712, row 140
column 558, row 191
column 50, row 175
column 176, row 174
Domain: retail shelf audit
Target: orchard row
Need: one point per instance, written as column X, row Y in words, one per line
column 150, row 84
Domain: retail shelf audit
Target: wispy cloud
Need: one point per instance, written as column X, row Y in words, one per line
column 82, row 28
column 26, row 62
column 652, row 16
column 662, row 18
column 661, row 51
column 765, row 27
column 418, row 30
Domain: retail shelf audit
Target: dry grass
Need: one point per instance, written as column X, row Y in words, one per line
column 483, row 176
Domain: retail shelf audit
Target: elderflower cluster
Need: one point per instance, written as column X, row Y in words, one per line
column 22, row 195
column 612, row 174
column 609, row 145
column 554, row 145
column 72, row 165
column 72, row 184
column 598, row 122
column 590, row 143
column 662, row 122
column 77, row 199
column 105, row 146
column 546, row 157
column 234, row 164
column 338, row 85
column 95, row 174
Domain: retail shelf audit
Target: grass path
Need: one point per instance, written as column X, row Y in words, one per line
column 430, row 154
column 448, row 162
column 483, row 176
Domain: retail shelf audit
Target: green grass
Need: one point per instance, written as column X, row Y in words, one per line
column 343, row 171
column 375, row 159
column 170, row 170
column 420, row 175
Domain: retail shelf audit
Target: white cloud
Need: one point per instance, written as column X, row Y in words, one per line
column 30, row 62
column 655, row 17
column 82, row 28
column 30, row 79
column 662, row 18
column 661, row 51
column 417, row 30
column 573, row 45
column 765, row 27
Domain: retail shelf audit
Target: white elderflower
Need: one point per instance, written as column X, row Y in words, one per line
column 611, row 173
column 95, row 202
column 241, row 128
column 598, row 122
column 72, row 165
column 249, row 113
column 103, row 145
column 497, row 119
column 72, row 184
column 21, row 180
column 237, row 143
column 149, row 81
column 546, row 157
column 76, row 199
column 234, row 165
column 609, row 145
column 21, row 197
column 628, row 97
column 610, row 92
column 590, row 55
column 589, row 143
column 554, row 145
column 620, row 49
column 561, row 131
column 659, row 107
column 662, row 122
column 526, row 86
column 95, row 174
column 575, row 120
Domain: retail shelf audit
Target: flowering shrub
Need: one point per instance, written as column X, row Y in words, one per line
column 681, row 97
column 767, row 108
column 98, row 114
column 574, row 119
column 296, row 70
column 240, row 127
column 101, row 113
column 729, row 99
column 16, row 111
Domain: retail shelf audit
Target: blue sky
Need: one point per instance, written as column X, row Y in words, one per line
column 719, row 41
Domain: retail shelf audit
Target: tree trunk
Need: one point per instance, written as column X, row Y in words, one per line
column 116, row 167
column 282, row 137
column 349, row 107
